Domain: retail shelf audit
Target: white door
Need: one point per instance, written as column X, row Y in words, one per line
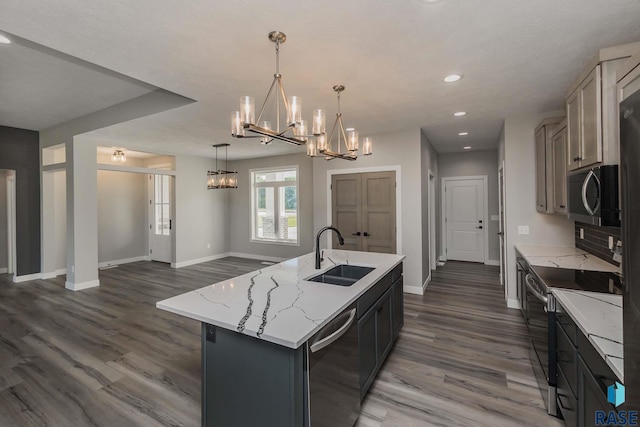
column 464, row 219
column 161, row 224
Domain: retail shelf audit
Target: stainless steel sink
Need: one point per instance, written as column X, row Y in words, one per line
column 342, row 275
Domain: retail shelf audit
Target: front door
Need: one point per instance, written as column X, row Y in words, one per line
column 464, row 219
column 161, row 224
column 364, row 210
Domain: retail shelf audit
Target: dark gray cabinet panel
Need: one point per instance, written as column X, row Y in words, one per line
column 398, row 308
column 591, row 396
column 383, row 327
column 233, row 363
column 367, row 352
column 567, row 401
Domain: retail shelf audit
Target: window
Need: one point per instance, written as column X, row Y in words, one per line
column 274, row 205
column 161, row 204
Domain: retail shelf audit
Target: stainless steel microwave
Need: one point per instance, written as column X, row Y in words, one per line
column 593, row 196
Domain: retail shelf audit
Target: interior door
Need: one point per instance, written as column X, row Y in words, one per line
column 501, row 226
column 379, row 212
column 464, row 220
column 364, row 210
column 161, row 224
column 346, row 202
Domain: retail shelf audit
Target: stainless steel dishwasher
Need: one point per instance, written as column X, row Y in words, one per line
column 333, row 376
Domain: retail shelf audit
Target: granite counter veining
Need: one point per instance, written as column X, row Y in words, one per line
column 277, row 303
column 564, row 257
column 599, row 317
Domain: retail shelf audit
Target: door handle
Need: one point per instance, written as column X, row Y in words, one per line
column 357, row 233
column 480, row 227
column 366, row 234
column 170, row 224
column 585, row 202
column 500, row 233
column 319, row 345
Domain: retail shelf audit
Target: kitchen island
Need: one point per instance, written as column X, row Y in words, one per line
column 256, row 330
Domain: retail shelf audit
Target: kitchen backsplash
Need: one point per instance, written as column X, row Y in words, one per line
column 596, row 240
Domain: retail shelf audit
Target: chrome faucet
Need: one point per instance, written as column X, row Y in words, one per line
column 322, row 230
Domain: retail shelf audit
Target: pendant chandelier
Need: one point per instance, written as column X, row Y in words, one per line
column 294, row 130
column 222, row 178
column 119, row 156
column 323, row 146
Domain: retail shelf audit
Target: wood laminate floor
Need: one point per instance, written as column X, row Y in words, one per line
column 108, row 357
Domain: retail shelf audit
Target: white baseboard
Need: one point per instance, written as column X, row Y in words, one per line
column 198, row 260
column 123, row 261
column 442, row 258
column 26, row 277
column 261, row 257
column 513, row 303
column 3, row 270
column 493, row 262
column 53, row 274
column 83, row 285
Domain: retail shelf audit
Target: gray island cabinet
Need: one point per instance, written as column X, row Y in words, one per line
column 269, row 356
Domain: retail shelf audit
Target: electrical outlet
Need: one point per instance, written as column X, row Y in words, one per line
column 582, row 233
column 208, row 245
column 610, row 243
column 73, row 268
column 523, row 229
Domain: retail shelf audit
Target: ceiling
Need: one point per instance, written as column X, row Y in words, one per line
column 516, row 58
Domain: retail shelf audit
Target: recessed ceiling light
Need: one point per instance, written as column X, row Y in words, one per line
column 452, row 78
column 467, row 147
column 463, row 133
column 460, row 113
column 350, row 129
column 4, row 40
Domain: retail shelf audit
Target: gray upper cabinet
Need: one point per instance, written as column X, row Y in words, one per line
column 592, row 110
column 544, row 164
column 559, row 143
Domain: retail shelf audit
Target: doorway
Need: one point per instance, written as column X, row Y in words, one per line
column 501, row 225
column 432, row 221
column 363, row 208
column 464, row 218
column 7, row 222
column 160, row 221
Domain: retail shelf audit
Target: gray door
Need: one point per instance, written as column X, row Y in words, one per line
column 364, row 210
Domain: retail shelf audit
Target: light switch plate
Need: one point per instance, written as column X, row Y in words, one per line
column 610, row 242
column 523, row 229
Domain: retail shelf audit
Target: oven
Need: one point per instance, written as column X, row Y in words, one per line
column 539, row 311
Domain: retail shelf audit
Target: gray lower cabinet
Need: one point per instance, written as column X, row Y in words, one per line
column 583, row 376
column 379, row 324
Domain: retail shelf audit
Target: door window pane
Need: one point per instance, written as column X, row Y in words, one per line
column 275, row 205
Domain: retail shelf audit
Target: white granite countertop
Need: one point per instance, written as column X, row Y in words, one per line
column 599, row 317
column 564, row 257
column 277, row 303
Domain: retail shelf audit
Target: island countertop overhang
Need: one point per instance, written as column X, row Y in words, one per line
column 278, row 304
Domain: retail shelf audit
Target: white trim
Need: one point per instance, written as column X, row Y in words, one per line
column 495, row 262
column 53, row 274
column 12, row 252
column 54, row 167
column 513, row 303
column 395, row 168
column 123, row 261
column 485, row 221
column 80, row 286
column 417, row 290
column 26, row 277
column 198, row 260
column 275, row 242
column 3, row 270
column 259, row 257
column 133, row 169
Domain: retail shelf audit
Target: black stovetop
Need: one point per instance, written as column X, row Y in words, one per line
column 566, row 278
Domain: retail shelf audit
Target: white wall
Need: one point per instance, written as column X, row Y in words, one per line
column 201, row 216
column 520, row 177
column 240, row 207
column 3, row 221
column 401, row 148
column 428, row 161
column 123, row 211
column 476, row 163
column 60, row 219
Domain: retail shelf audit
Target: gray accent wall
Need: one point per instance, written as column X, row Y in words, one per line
column 476, row 163
column 3, row 220
column 240, row 206
column 19, row 150
column 428, row 161
column 123, row 210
